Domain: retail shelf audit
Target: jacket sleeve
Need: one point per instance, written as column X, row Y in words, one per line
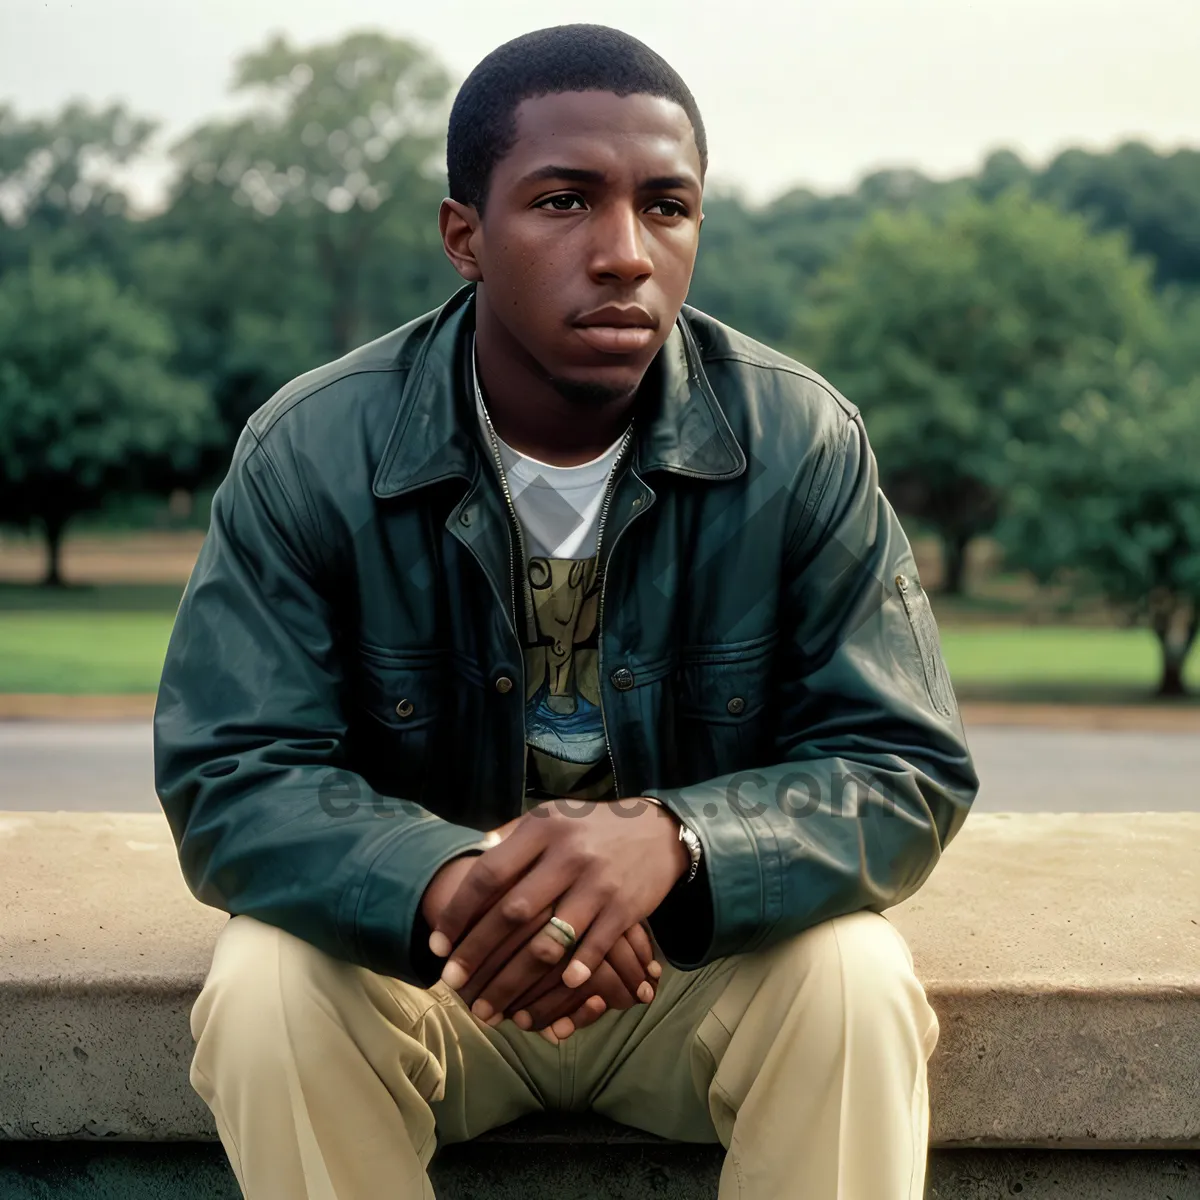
column 248, row 746
column 871, row 775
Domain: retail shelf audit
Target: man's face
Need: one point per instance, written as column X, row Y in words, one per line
column 589, row 235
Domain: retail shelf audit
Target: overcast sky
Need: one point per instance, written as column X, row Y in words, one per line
column 792, row 91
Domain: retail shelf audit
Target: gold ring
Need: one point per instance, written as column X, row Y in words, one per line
column 561, row 931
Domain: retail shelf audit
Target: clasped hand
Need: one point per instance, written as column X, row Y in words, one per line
column 602, row 868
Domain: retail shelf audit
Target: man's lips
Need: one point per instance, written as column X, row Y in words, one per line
column 616, row 339
column 617, row 330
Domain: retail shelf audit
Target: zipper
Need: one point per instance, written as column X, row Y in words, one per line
column 529, row 615
column 600, row 608
column 920, row 617
column 530, row 622
column 526, row 594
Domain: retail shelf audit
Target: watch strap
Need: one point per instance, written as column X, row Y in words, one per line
column 688, row 837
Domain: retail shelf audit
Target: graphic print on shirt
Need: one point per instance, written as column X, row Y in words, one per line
column 564, row 730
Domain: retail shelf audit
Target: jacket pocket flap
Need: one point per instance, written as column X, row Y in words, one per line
column 714, row 685
column 402, row 692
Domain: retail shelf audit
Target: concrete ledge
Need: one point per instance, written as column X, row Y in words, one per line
column 1061, row 952
column 85, row 1171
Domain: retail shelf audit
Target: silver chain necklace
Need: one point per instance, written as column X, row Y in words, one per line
column 487, row 416
column 526, row 595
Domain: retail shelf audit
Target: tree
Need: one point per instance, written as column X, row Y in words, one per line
column 342, row 140
column 740, row 276
column 61, row 191
column 1153, row 197
column 1112, row 500
column 757, row 264
column 87, row 405
column 1002, row 171
column 940, row 328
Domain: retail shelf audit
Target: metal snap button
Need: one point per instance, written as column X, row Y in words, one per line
column 503, row 684
column 622, row 679
column 404, row 708
column 637, row 502
column 736, row 705
column 465, row 516
column 902, row 582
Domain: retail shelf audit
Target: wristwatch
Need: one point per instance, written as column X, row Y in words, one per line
column 688, row 837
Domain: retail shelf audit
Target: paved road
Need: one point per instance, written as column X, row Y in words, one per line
column 96, row 767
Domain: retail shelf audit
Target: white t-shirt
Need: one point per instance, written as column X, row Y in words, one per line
column 558, row 507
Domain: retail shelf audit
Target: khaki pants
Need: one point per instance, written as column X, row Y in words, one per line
column 805, row 1061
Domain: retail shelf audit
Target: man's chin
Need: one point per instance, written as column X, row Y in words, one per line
column 592, row 393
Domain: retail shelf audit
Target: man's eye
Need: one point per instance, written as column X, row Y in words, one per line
column 671, row 208
column 561, row 203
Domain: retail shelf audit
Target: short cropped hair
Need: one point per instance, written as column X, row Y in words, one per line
column 564, row 58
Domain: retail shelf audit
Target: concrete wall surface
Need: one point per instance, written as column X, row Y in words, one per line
column 1061, row 952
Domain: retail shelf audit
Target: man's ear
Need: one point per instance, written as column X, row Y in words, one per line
column 459, row 224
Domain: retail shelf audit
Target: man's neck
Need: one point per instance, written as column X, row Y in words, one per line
column 528, row 412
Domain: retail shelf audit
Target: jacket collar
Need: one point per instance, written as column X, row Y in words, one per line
column 433, row 438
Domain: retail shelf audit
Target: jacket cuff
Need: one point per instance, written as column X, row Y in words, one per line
column 683, row 923
column 723, row 910
column 383, row 912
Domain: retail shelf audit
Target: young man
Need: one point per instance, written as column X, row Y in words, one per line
column 557, row 620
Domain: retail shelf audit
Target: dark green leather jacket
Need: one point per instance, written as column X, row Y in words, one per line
column 341, row 709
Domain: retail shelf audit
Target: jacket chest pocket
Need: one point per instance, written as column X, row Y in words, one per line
column 721, row 701
column 397, row 715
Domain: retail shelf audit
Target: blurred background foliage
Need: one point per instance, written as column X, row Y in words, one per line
column 1024, row 342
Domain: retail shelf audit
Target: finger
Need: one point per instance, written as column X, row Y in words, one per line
column 632, row 978
column 492, row 875
column 559, row 1002
column 590, row 1011
column 630, row 970
column 502, row 831
column 501, row 956
column 562, row 1001
column 510, row 912
column 598, row 920
column 517, row 976
column 552, row 979
column 594, row 943
column 527, row 968
column 639, row 939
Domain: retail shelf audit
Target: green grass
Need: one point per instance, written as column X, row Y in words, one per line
column 97, row 640
column 112, row 639
column 82, row 653
column 86, row 599
column 1055, row 663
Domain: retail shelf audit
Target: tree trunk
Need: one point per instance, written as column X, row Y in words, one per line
column 54, row 539
column 954, row 562
column 1171, row 684
column 1174, row 657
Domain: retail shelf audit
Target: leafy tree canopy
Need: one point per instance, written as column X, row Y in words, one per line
column 1112, row 498
column 61, row 187
column 940, row 328
column 88, row 407
column 307, row 224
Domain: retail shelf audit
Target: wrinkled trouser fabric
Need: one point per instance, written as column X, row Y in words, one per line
column 806, row 1061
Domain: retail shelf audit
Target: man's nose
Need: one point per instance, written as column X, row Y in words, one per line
column 620, row 251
